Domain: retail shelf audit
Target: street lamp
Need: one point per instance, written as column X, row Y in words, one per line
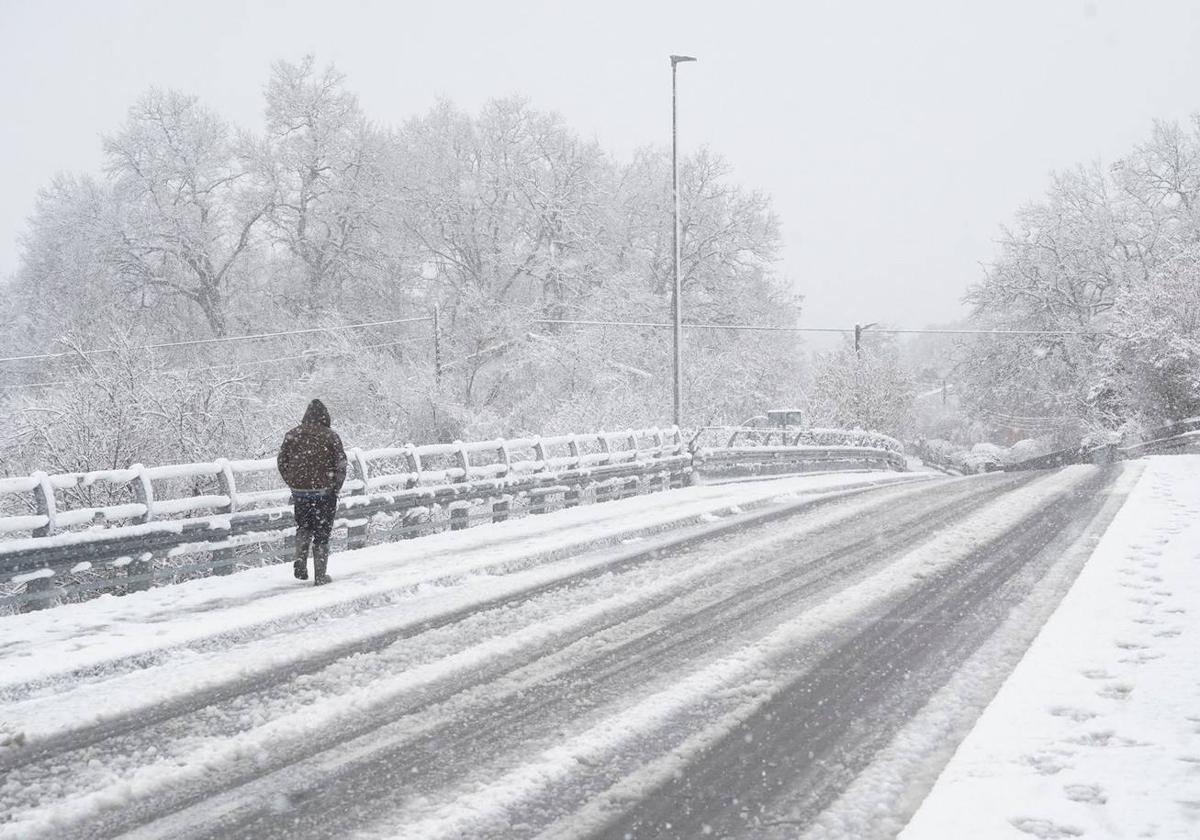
column 677, row 296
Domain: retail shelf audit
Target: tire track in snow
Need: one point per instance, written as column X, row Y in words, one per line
column 810, row 739
column 306, row 661
column 443, row 748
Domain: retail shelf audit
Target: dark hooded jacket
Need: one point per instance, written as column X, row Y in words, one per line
column 312, row 456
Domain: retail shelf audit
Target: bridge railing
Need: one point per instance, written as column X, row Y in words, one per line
column 739, row 452
column 80, row 534
column 74, row 535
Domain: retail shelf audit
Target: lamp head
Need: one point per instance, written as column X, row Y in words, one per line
column 676, row 59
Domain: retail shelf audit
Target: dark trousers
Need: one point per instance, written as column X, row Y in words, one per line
column 314, row 512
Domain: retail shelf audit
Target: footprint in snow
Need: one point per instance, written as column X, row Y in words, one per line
column 1077, row 715
column 1126, row 645
column 1168, row 634
column 1044, row 829
column 1140, row 658
column 1049, row 762
column 1105, row 738
column 1116, row 691
column 1091, row 794
column 1096, row 674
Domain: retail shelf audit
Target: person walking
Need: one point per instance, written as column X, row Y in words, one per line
column 312, row 462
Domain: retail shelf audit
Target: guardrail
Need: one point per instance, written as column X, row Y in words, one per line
column 1188, row 441
column 124, row 530
column 741, row 451
column 734, row 437
column 1174, row 438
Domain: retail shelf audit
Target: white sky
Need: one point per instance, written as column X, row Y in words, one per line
column 894, row 137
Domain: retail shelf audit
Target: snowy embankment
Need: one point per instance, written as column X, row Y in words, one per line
column 1096, row 733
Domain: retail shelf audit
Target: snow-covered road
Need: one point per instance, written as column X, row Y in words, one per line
column 716, row 660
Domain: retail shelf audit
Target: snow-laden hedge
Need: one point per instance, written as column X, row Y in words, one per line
column 720, row 437
column 980, row 458
column 849, row 437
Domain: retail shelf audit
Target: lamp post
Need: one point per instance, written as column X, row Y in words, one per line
column 677, row 295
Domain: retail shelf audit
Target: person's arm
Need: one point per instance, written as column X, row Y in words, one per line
column 283, row 459
column 339, row 469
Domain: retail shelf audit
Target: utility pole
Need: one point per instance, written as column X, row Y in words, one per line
column 858, row 331
column 437, row 344
column 677, row 295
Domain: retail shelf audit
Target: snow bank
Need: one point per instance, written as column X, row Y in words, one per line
column 1097, row 731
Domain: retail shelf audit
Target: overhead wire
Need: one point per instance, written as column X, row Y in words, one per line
column 308, row 354
column 223, row 339
column 770, row 328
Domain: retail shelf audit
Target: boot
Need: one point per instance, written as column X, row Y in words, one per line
column 320, row 559
column 300, row 564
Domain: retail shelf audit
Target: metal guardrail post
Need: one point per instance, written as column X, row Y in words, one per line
column 464, row 463
column 603, row 491
column 43, row 498
column 500, row 508
column 223, row 557
column 410, row 523
column 143, row 491
column 537, row 501
column 683, row 476
column 571, row 496
column 413, row 457
column 140, row 572
column 357, row 535
column 661, row 480
column 39, row 594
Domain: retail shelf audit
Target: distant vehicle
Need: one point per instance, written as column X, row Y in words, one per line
column 785, row 418
column 776, row 418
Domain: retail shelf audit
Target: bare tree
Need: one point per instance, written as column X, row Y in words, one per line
column 326, row 169
column 190, row 210
column 1101, row 256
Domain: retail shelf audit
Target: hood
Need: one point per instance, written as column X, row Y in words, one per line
column 316, row 414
